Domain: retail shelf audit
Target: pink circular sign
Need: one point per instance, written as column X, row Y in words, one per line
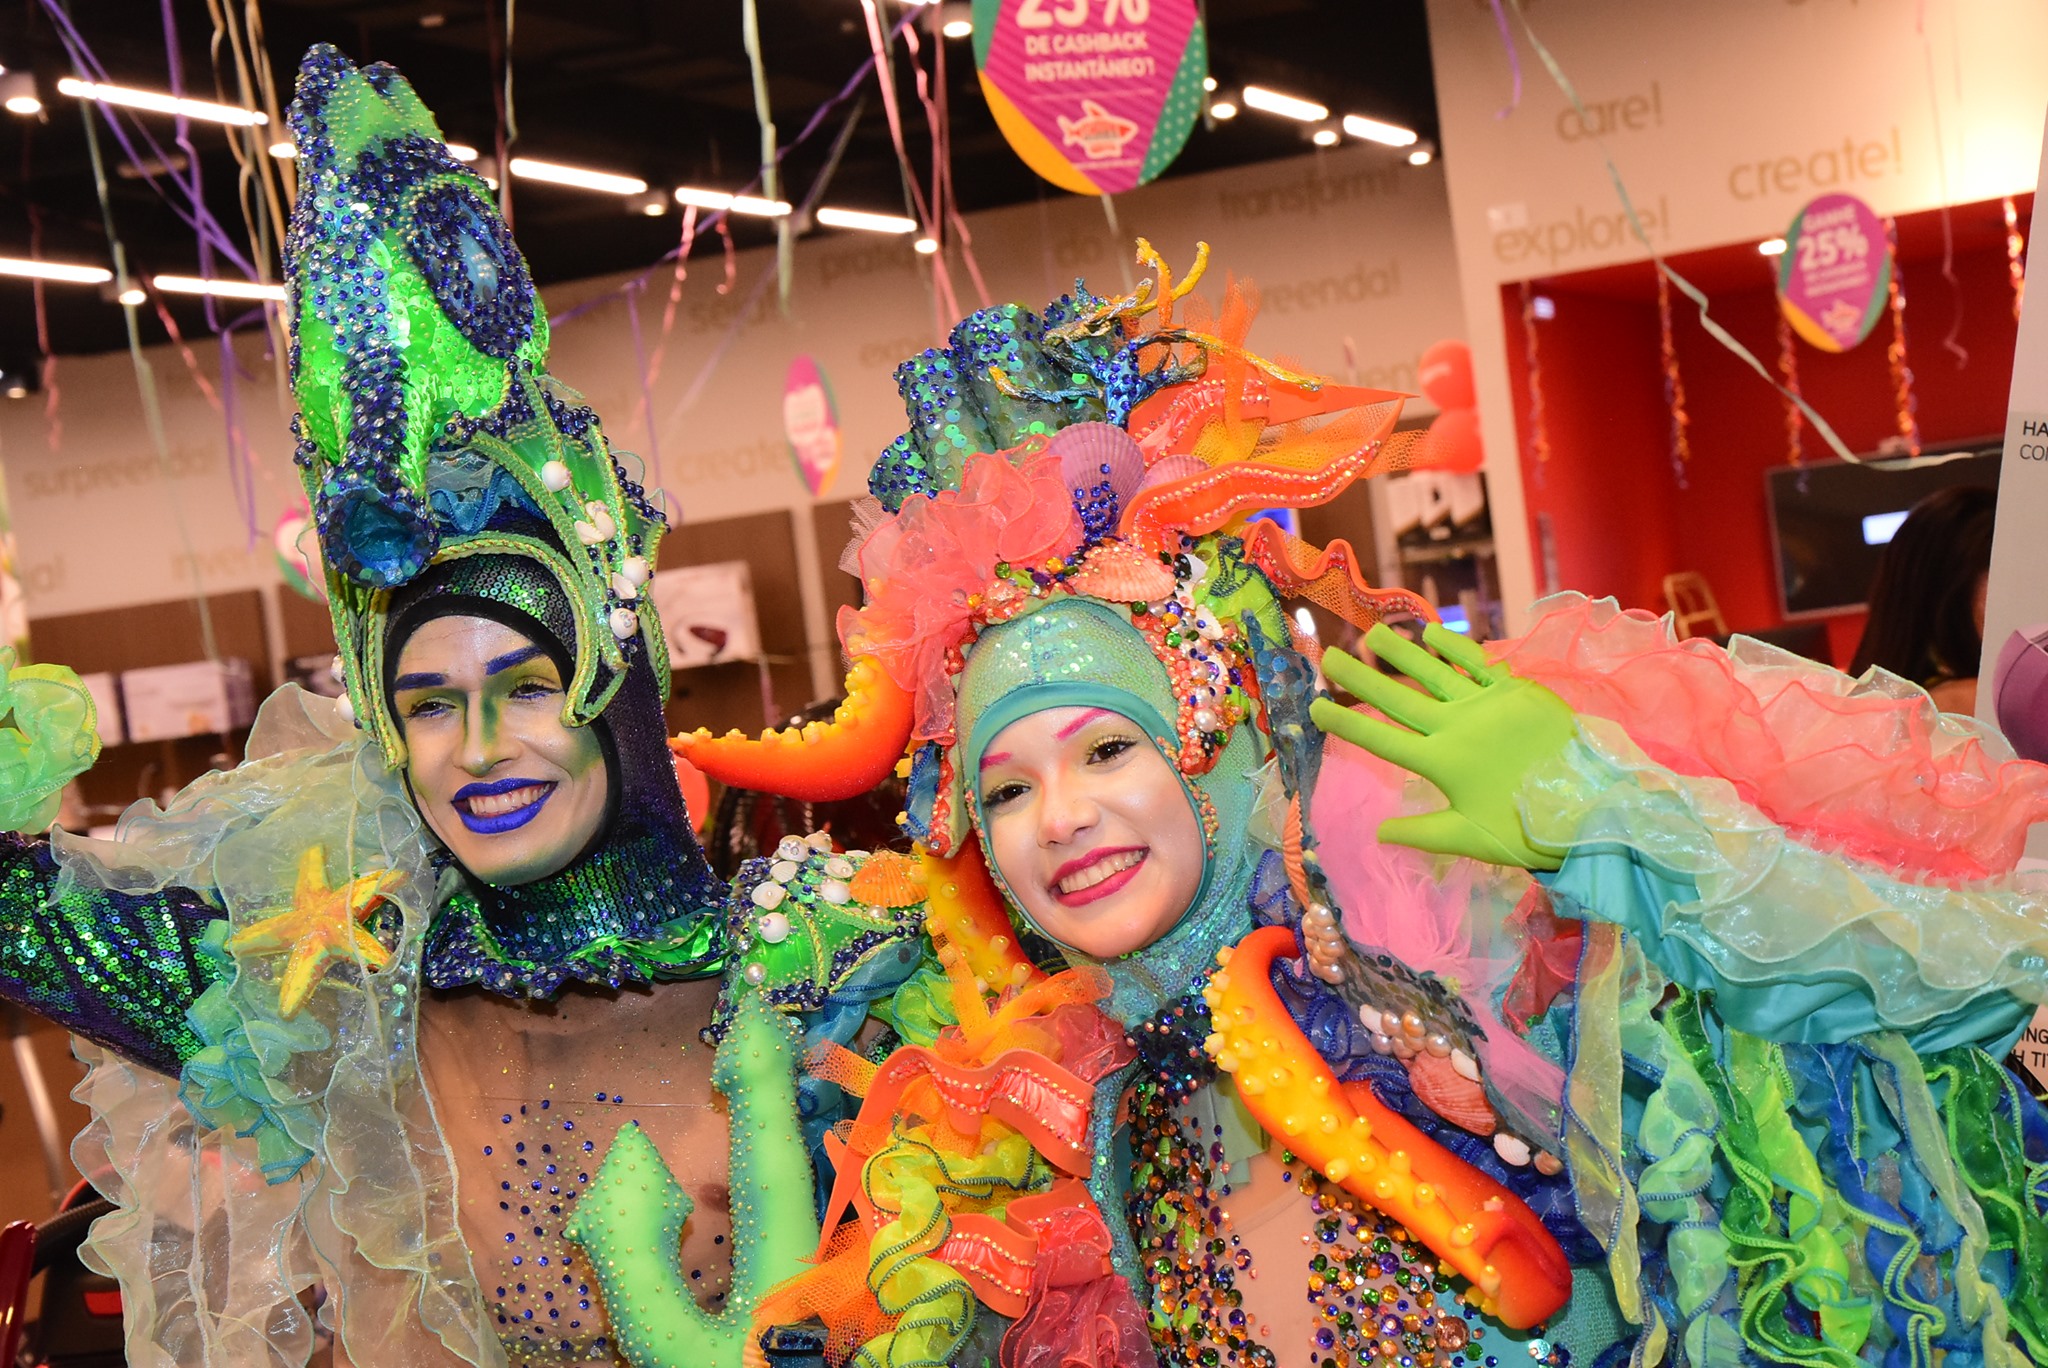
column 1097, row 96
column 1835, row 276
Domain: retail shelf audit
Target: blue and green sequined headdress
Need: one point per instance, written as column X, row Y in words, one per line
column 428, row 425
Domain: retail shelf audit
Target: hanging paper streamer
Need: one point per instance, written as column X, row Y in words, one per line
column 1835, row 272
column 298, row 554
column 1674, row 386
column 811, row 424
column 2015, row 256
column 1902, row 373
column 1788, row 378
column 1095, row 98
column 1641, row 235
column 1539, row 435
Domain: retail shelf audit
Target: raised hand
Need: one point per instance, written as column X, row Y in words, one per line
column 1475, row 730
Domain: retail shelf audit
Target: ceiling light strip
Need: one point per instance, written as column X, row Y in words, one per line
column 54, row 270
column 219, row 289
column 157, row 102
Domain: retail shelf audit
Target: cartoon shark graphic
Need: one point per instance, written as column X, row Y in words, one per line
column 1098, row 133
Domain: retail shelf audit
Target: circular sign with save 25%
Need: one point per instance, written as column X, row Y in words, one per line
column 1835, row 277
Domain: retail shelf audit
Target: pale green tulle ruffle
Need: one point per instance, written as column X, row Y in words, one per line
column 52, row 738
column 327, row 1165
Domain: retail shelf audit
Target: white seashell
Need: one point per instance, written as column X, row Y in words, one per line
column 1511, row 1148
column 635, row 569
column 792, row 848
column 774, row 928
column 1465, row 1064
column 588, row 534
column 624, row 587
column 555, row 475
column 839, row 867
column 768, row 896
column 346, row 707
column 601, row 519
column 625, row 622
column 820, row 841
column 1369, row 1017
column 782, row 871
column 834, row 891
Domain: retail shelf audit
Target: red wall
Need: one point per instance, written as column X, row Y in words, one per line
column 1620, row 519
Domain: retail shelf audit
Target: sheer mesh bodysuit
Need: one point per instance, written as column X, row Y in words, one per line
column 529, row 1095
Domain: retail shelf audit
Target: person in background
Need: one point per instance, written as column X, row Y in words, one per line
column 1927, row 599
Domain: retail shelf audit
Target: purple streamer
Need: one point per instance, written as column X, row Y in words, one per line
column 646, row 390
column 195, row 215
column 732, row 333
column 1507, row 41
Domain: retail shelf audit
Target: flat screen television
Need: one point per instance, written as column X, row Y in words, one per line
column 1831, row 520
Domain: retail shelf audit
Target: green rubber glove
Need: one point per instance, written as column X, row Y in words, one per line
column 1476, row 734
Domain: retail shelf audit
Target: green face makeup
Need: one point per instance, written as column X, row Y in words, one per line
column 512, row 791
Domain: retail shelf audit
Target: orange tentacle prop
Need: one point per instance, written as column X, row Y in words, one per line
column 820, row 762
column 1202, row 503
column 1329, row 577
column 967, row 920
column 1167, row 423
column 1471, row 1222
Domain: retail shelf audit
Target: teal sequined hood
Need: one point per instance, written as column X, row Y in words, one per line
column 1077, row 652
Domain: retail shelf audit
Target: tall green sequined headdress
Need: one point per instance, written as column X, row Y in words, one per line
column 428, row 425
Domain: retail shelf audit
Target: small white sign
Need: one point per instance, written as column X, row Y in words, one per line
column 106, row 703
column 707, row 613
column 165, row 702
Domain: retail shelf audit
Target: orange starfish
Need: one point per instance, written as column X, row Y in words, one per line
column 320, row 928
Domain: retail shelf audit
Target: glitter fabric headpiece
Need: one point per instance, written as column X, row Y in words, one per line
column 1105, row 449
column 425, row 408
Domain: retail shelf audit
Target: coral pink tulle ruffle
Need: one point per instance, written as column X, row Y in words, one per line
column 930, row 573
column 1867, row 767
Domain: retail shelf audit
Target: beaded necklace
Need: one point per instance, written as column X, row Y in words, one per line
column 1190, row 1255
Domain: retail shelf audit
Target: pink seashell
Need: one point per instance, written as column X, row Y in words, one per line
column 1451, row 1095
column 1086, row 448
column 1118, row 572
column 1171, row 471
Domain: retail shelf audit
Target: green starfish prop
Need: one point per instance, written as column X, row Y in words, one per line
column 630, row 1220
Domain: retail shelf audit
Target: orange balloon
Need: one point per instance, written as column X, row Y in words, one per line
column 1453, row 443
column 1445, row 374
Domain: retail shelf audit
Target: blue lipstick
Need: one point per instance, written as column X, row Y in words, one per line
column 500, row 821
